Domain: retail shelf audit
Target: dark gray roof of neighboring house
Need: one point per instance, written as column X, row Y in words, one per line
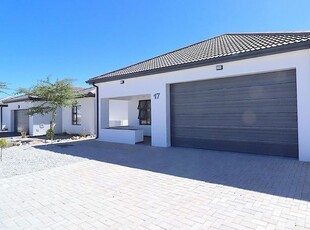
column 85, row 92
column 226, row 47
column 2, row 104
column 80, row 92
column 16, row 99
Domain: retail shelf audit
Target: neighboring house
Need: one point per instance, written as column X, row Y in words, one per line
column 81, row 118
column 16, row 118
column 235, row 92
column 76, row 120
column 2, row 105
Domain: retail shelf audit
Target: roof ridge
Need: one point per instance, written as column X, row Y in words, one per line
column 270, row 33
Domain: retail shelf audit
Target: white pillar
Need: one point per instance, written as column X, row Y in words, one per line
column 104, row 112
column 160, row 104
column 303, row 109
column 133, row 113
column 31, row 124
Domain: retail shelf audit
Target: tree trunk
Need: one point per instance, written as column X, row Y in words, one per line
column 52, row 124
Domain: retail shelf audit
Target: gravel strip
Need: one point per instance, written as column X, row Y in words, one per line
column 26, row 159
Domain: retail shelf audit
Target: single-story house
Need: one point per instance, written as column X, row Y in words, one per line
column 243, row 92
column 77, row 120
column 2, row 105
column 82, row 117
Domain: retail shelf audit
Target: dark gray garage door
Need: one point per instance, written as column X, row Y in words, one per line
column 253, row 114
column 21, row 120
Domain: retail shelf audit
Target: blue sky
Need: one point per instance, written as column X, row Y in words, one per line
column 82, row 39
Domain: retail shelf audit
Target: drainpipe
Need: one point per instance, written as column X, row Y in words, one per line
column 97, row 110
column 1, row 119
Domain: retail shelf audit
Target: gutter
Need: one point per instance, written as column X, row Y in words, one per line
column 1, row 119
column 97, row 110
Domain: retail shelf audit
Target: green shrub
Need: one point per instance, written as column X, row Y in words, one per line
column 3, row 144
column 23, row 134
column 50, row 134
column 83, row 133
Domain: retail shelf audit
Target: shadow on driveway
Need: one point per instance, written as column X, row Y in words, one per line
column 9, row 134
column 279, row 176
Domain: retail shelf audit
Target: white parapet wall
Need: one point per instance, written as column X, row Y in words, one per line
column 126, row 136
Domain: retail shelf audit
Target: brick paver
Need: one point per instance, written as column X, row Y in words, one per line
column 95, row 194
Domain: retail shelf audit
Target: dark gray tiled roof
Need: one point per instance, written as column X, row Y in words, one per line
column 85, row 92
column 80, row 92
column 2, row 104
column 16, row 99
column 212, row 50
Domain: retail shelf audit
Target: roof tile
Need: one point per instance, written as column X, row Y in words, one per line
column 210, row 49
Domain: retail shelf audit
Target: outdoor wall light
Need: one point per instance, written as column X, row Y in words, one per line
column 219, row 67
column 121, row 81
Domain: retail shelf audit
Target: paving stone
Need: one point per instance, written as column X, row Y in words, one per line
column 105, row 194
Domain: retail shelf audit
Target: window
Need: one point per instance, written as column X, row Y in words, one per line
column 144, row 108
column 76, row 115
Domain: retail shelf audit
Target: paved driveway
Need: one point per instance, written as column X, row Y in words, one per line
column 142, row 187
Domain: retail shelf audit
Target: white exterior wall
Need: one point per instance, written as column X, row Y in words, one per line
column 159, row 83
column 88, row 120
column 118, row 112
column 38, row 124
column 8, row 114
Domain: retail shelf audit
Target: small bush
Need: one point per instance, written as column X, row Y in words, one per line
column 50, row 134
column 16, row 143
column 23, row 134
column 83, row 134
column 3, row 144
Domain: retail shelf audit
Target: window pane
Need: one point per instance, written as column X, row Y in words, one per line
column 78, row 119
column 76, row 115
column 141, row 104
column 148, row 105
column 144, row 112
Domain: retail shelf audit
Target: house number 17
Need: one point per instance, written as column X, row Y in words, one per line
column 156, row 96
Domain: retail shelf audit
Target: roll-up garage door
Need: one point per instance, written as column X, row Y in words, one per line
column 21, row 120
column 252, row 114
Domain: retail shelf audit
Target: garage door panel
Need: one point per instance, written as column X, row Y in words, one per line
column 256, row 107
column 264, row 79
column 21, row 120
column 259, row 109
column 281, row 101
column 282, row 149
column 271, row 135
column 241, row 120
column 235, row 94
